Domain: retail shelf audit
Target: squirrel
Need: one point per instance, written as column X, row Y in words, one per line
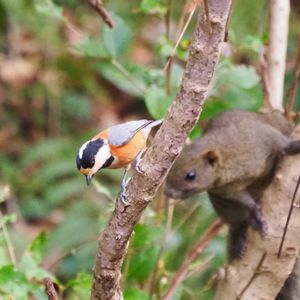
column 234, row 161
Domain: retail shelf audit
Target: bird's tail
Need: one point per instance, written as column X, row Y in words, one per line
column 155, row 123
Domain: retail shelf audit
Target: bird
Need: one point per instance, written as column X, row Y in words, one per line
column 115, row 147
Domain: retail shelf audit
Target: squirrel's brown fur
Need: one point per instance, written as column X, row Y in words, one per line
column 234, row 161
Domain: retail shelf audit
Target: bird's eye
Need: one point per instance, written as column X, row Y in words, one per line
column 190, row 176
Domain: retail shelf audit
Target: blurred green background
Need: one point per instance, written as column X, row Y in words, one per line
column 64, row 75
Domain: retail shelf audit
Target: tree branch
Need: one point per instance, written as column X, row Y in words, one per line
column 50, row 290
column 293, row 87
column 261, row 274
column 167, row 144
column 276, row 53
column 98, row 6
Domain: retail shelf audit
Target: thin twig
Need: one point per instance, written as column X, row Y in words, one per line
column 168, row 34
column 207, row 16
column 293, row 87
column 199, row 269
column 180, row 37
column 289, row 217
column 50, row 290
column 10, row 247
column 185, row 218
column 168, row 18
column 98, row 6
column 193, row 253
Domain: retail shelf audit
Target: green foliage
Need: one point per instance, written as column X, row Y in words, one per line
column 80, row 286
column 92, row 48
column 153, row 7
column 117, row 40
column 37, row 247
column 157, row 101
column 134, row 293
column 87, row 77
column 48, row 8
column 19, row 282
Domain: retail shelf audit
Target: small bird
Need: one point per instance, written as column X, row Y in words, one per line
column 115, row 147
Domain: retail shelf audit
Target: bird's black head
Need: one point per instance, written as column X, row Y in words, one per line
column 86, row 155
column 92, row 156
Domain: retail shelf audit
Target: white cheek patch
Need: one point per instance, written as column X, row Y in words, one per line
column 101, row 157
column 80, row 153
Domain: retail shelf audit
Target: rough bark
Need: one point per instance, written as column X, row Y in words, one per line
column 261, row 274
column 203, row 56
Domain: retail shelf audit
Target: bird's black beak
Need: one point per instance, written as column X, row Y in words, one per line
column 88, row 179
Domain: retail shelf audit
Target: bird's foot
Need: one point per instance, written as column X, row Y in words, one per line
column 123, row 195
column 138, row 161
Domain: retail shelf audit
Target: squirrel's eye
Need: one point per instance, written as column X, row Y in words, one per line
column 190, row 176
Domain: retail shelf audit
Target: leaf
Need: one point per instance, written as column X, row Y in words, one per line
column 213, row 107
column 111, row 73
column 246, row 17
column 13, row 283
column 31, row 269
column 43, row 150
column 79, row 220
column 146, row 235
column 116, row 40
column 153, row 7
column 165, row 47
column 252, row 42
column 52, row 171
column 92, row 47
column 48, row 8
column 80, row 101
column 56, row 194
column 157, row 101
column 244, row 99
column 37, row 247
column 135, row 294
column 82, row 280
column 142, row 263
column 243, row 76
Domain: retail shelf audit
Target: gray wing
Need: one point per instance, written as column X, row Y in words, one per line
column 119, row 135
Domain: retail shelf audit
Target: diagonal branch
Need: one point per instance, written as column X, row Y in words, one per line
column 98, row 6
column 203, row 56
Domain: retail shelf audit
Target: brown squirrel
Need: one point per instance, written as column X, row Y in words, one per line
column 234, row 161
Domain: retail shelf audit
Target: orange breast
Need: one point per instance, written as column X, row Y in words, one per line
column 127, row 153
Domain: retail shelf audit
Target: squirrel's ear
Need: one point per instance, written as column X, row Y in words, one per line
column 212, row 157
